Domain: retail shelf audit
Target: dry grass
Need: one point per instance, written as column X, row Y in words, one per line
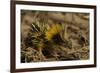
column 54, row 36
